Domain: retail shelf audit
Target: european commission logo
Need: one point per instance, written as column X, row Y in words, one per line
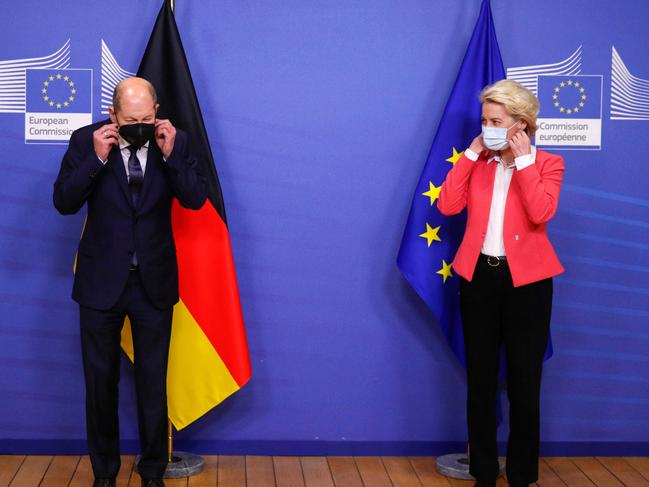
column 571, row 102
column 571, row 112
column 58, row 101
column 55, row 98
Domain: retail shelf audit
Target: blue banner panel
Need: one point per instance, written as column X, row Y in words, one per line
column 321, row 116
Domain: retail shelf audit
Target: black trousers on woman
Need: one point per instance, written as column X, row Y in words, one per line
column 496, row 313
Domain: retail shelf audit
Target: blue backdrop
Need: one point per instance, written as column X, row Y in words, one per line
column 320, row 117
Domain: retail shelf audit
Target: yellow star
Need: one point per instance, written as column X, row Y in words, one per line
column 46, row 83
column 556, row 90
column 455, row 157
column 445, row 271
column 554, row 97
column 71, row 83
column 561, row 110
column 556, row 103
column 65, row 103
column 576, row 109
column 562, row 84
column 66, row 78
column 71, row 98
column 581, row 90
column 433, row 192
column 431, row 234
column 568, row 111
column 51, row 78
column 583, row 97
column 44, row 90
column 569, row 82
column 51, row 103
column 58, row 75
column 576, row 84
column 58, row 105
column 46, row 98
column 73, row 91
column 581, row 103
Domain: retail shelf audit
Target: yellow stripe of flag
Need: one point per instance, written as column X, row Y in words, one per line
column 197, row 378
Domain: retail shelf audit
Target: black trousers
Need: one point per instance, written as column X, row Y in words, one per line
column 100, row 346
column 495, row 313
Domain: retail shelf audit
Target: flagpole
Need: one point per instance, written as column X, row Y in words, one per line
column 482, row 65
column 170, row 441
column 165, row 66
column 170, row 436
column 172, row 468
column 182, row 464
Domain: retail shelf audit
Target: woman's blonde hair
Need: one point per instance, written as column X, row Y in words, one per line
column 518, row 101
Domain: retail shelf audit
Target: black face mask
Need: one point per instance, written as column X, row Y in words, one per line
column 137, row 134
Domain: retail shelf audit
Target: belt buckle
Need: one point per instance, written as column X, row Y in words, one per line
column 493, row 261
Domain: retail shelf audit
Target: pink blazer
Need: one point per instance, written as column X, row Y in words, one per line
column 531, row 202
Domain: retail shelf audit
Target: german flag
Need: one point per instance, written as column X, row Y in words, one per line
column 208, row 359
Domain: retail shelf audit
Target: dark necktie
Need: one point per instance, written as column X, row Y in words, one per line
column 135, row 174
column 135, row 179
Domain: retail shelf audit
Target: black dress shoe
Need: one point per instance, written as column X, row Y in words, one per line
column 152, row 483
column 103, row 483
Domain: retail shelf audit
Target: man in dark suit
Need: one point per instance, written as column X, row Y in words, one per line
column 127, row 170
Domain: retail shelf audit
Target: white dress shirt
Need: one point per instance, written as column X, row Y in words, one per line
column 123, row 149
column 494, row 243
column 141, row 154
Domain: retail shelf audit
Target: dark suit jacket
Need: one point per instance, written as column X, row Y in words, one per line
column 115, row 228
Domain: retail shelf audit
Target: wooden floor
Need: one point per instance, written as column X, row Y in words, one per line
column 238, row 471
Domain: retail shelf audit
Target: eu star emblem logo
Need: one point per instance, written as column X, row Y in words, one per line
column 59, row 90
column 60, row 83
column 570, row 96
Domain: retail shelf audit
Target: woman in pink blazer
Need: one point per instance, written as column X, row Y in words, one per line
column 506, row 263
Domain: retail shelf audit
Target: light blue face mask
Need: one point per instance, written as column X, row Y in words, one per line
column 495, row 138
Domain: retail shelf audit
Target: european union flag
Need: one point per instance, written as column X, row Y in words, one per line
column 430, row 239
column 59, row 90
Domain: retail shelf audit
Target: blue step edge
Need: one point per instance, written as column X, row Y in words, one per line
column 321, row 448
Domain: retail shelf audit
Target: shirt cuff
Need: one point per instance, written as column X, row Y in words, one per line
column 524, row 161
column 472, row 156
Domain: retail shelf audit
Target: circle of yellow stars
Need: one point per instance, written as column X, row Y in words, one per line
column 58, row 78
column 432, row 233
column 581, row 91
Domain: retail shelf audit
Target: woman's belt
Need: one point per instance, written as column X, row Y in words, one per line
column 493, row 260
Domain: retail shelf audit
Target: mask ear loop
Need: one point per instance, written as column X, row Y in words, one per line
column 525, row 129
